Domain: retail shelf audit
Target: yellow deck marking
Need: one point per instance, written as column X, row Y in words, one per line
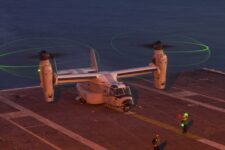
column 163, row 125
column 177, row 131
column 173, row 129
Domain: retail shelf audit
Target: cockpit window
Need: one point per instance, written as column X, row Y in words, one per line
column 127, row 91
column 120, row 91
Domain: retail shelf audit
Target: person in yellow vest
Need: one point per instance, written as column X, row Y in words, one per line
column 156, row 142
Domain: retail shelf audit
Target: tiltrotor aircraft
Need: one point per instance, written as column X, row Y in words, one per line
column 99, row 87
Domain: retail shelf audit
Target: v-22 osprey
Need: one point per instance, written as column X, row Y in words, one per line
column 99, row 87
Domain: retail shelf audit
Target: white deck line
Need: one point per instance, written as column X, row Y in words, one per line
column 31, row 133
column 22, row 88
column 214, row 71
column 54, row 125
column 210, row 97
column 17, row 114
column 182, row 98
column 212, row 143
column 201, row 140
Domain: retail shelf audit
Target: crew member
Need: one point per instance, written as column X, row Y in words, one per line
column 156, row 142
column 184, row 122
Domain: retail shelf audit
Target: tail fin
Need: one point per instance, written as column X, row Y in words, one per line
column 94, row 64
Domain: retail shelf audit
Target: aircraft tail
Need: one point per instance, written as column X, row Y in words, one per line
column 94, row 64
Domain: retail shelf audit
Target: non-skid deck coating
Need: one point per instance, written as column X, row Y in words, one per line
column 28, row 122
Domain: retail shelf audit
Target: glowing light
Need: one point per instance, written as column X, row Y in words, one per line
column 23, row 70
column 179, row 116
column 204, row 49
column 39, row 70
column 73, row 44
column 186, row 114
column 182, row 125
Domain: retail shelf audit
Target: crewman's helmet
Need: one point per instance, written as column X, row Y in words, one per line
column 186, row 114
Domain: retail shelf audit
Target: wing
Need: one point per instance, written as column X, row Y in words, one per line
column 134, row 71
column 74, row 78
column 76, row 71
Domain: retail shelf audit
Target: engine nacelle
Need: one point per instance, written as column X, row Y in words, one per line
column 46, row 76
column 160, row 60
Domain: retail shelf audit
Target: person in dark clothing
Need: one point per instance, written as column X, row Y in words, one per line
column 156, row 142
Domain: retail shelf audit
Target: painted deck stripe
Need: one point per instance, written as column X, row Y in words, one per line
column 17, row 114
column 181, row 98
column 177, row 131
column 31, row 133
column 22, row 88
column 163, row 125
column 173, row 129
column 206, row 96
column 214, row 71
column 55, row 126
column 212, row 143
column 180, row 88
column 185, row 93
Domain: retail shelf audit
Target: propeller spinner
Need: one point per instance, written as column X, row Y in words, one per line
column 43, row 55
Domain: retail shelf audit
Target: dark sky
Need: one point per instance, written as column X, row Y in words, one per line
column 96, row 22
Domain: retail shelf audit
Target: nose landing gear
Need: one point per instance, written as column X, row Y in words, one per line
column 82, row 100
column 127, row 105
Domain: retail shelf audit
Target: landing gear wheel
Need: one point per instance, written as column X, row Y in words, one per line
column 126, row 108
column 82, row 101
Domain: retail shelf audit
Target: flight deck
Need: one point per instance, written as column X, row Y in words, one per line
column 28, row 122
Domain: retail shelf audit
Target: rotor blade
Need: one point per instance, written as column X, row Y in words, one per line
column 57, row 55
column 52, row 55
column 156, row 45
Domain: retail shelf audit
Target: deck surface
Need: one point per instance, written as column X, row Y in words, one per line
column 28, row 122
